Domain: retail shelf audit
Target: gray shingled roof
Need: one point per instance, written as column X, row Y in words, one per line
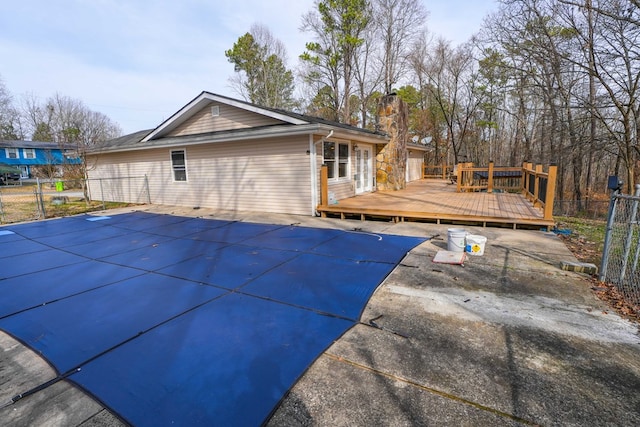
column 125, row 140
column 35, row 144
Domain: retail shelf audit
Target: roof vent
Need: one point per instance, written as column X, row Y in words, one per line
column 215, row 111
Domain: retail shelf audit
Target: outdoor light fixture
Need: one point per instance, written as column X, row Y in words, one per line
column 614, row 183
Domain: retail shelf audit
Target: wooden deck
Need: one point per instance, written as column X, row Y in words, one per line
column 437, row 201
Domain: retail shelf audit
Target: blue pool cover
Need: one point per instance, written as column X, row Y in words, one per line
column 171, row 320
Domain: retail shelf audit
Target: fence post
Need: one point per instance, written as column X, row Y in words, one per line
column 607, row 236
column 2, row 218
column 39, row 198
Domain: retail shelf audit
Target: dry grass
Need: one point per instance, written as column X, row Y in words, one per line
column 586, row 237
column 20, row 203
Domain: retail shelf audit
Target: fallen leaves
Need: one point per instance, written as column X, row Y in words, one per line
column 610, row 294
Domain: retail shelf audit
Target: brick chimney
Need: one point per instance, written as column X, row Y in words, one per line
column 391, row 161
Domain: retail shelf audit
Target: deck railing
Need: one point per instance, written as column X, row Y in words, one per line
column 437, row 171
column 543, row 185
column 538, row 186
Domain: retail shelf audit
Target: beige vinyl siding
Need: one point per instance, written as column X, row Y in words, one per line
column 342, row 190
column 271, row 175
column 230, row 118
column 118, row 178
column 415, row 162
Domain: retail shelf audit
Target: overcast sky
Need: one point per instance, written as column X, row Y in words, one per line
column 139, row 61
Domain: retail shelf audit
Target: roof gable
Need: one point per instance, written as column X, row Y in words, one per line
column 215, row 117
column 197, row 117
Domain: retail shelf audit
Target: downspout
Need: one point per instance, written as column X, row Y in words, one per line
column 314, row 175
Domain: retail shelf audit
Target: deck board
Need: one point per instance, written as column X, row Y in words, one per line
column 437, row 200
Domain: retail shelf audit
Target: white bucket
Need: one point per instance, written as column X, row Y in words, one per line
column 455, row 241
column 475, row 244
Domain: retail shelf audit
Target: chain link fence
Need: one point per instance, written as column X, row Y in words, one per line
column 19, row 203
column 40, row 199
column 621, row 255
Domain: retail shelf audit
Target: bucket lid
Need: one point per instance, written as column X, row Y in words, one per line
column 456, row 230
column 476, row 237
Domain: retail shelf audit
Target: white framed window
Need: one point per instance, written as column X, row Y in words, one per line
column 336, row 156
column 12, row 153
column 179, row 165
column 29, row 153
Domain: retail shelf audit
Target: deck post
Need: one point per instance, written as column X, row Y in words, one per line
column 536, row 187
column 444, row 170
column 490, row 178
column 324, row 186
column 530, row 176
column 469, row 174
column 459, row 177
column 525, row 177
column 551, row 191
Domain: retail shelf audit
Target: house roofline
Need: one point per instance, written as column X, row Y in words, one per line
column 417, row 147
column 44, row 145
column 246, row 134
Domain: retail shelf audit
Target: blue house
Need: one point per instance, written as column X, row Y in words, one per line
column 25, row 155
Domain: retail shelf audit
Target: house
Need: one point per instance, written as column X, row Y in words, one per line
column 224, row 153
column 26, row 155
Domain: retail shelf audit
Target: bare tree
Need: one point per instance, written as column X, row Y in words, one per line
column 368, row 76
column 547, row 85
column 71, row 124
column 450, row 81
column 427, row 121
column 337, row 27
column 66, row 120
column 607, row 34
column 617, row 70
column 10, row 126
column 399, row 24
